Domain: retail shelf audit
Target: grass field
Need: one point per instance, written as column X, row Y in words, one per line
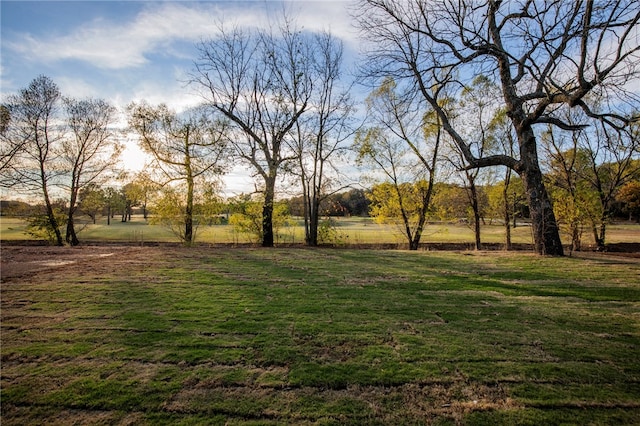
column 355, row 230
column 158, row 335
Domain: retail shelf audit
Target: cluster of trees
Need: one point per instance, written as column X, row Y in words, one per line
column 537, row 93
column 52, row 143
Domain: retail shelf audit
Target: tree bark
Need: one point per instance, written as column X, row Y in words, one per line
column 267, row 212
column 51, row 217
column 473, row 192
column 546, row 235
column 188, row 214
column 507, row 217
column 314, row 220
column 71, row 237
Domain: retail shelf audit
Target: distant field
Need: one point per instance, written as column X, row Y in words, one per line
column 252, row 336
column 355, row 230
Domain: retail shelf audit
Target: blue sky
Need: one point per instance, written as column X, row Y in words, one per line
column 130, row 50
column 125, row 51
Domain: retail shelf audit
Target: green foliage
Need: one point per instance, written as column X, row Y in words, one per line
column 328, row 232
column 629, row 194
column 247, row 216
column 92, row 201
column 516, row 198
column 389, row 204
column 170, row 208
column 39, row 226
column 450, row 202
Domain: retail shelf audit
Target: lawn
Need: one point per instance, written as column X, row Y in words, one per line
column 158, row 335
column 349, row 230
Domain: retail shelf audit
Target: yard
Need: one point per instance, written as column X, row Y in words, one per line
column 169, row 335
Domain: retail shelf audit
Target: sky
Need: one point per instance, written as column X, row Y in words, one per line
column 124, row 51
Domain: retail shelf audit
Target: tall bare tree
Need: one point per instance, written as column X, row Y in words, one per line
column 319, row 137
column 88, row 152
column 184, row 148
column 262, row 82
column 33, row 130
column 545, row 56
column 475, row 112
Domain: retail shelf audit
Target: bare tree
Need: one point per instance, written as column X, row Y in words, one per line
column 88, row 152
column 33, row 130
column 184, row 148
column 545, row 55
column 475, row 111
column 319, row 138
column 502, row 133
column 261, row 82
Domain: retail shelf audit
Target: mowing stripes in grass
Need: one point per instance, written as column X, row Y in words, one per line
column 191, row 336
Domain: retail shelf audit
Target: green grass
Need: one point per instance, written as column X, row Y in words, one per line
column 302, row 336
column 354, row 230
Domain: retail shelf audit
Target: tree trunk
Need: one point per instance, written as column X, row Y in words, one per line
column 53, row 223
column 51, row 217
column 507, row 217
column 314, row 220
column 188, row 214
column 546, row 235
column 473, row 192
column 71, row 237
column 599, row 235
column 575, row 237
column 267, row 212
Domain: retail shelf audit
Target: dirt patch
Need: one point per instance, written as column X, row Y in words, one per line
column 24, row 261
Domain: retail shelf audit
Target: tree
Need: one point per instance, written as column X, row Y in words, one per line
column 247, row 216
column 501, row 133
column 169, row 208
column 319, row 138
column 262, row 83
column 545, row 56
column 401, row 204
column 126, row 199
column 187, row 149
column 114, row 200
column 88, row 152
column 587, row 168
column 612, row 161
column 91, row 201
column 450, row 202
column 629, row 194
column 508, row 201
column 9, row 146
column 33, row 130
column 404, row 145
column 148, row 189
column 476, row 110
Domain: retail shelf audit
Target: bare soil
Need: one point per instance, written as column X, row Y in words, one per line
column 24, row 261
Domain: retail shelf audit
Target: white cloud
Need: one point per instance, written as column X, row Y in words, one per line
column 110, row 45
column 106, row 44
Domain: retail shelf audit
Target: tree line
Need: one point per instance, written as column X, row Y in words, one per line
column 459, row 92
